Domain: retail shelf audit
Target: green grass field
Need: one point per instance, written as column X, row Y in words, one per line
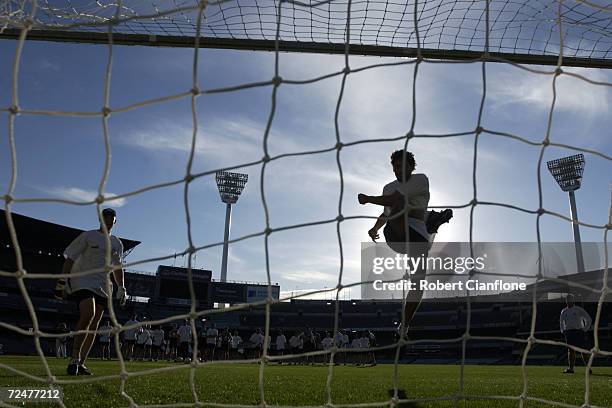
column 305, row 385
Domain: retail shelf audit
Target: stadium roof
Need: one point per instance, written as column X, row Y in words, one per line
column 37, row 234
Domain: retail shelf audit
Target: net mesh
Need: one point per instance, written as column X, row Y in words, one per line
column 447, row 27
column 480, row 26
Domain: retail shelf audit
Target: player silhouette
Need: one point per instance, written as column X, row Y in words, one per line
column 405, row 202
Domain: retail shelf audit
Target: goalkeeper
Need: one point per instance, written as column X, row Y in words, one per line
column 406, row 199
column 87, row 252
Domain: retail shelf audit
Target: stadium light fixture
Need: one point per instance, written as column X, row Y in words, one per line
column 567, row 171
column 230, row 187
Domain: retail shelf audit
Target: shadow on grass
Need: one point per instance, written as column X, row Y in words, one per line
column 401, row 394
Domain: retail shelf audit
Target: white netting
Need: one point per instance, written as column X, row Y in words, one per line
column 108, row 16
column 446, row 28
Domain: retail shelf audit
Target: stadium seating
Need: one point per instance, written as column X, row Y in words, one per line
column 434, row 320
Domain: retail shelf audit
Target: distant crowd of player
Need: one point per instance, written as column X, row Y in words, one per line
column 175, row 342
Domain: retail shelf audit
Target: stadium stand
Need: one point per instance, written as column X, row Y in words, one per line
column 505, row 316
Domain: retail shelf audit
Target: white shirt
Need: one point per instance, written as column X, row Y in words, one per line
column 296, row 342
column 130, row 334
column 88, row 252
column 158, row 337
column 345, row 339
column 339, row 339
column 416, row 195
column 365, row 342
column 326, row 343
column 235, row 342
column 257, row 339
column 356, row 343
column 144, row 336
column 281, row 341
column 574, row 318
column 211, row 336
column 184, row 333
column 105, row 332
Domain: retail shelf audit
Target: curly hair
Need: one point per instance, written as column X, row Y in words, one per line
column 398, row 155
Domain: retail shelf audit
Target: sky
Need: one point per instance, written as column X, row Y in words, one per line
column 63, row 157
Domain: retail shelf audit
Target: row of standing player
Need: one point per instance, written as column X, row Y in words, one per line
column 152, row 343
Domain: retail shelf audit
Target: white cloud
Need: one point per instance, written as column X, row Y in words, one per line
column 231, row 140
column 47, row 64
column 232, row 257
column 79, row 194
column 304, row 276
column 163, row 137
column 511, row 87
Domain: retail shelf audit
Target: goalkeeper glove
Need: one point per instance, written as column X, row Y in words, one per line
column 122, row 295
column 60, row 289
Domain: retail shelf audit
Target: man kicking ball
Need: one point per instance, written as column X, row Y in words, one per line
column 406, row 196
column 87, row 252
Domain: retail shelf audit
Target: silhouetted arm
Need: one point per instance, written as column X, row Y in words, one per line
column 384, row 200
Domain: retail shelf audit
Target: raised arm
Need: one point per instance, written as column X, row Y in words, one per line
column 384, row 200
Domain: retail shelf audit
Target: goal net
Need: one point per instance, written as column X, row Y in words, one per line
column 531, row 32
column 540, row 37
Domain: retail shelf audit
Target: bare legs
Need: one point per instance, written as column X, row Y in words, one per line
column 90, row 316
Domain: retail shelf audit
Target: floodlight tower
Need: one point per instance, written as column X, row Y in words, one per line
column 567, row 171
column 230, row 187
